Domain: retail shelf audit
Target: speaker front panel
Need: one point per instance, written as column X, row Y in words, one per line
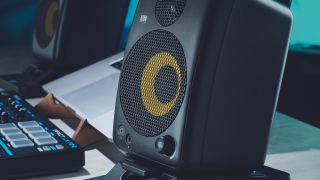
column 47, row 27
column 155, row 80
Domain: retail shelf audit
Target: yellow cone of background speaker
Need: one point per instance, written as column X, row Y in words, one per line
column 49, row 19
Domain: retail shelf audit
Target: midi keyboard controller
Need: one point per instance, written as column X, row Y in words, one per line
column 30, row 144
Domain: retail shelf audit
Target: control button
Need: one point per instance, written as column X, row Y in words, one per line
column 17, row 107
column 46, row 148
column 33, row 129
column 21, row 143
column 4, row 117
column 9, row 100
column 7, row 126
column 6, row 132
column 128, row 139
column 12, row 104
column 165, row 145
column 45, row 141
column 22, row 113
column 60, row 147
column 28, row 124
column 15, row 137
column 39, row 135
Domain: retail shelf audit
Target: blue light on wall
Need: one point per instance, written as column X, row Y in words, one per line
column 128, row 22
column 306, row 26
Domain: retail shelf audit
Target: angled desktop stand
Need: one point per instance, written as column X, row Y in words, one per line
column 85, row 135
column 123, row 171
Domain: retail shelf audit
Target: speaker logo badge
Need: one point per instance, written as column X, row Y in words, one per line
column 148, row 80
column 143, row 19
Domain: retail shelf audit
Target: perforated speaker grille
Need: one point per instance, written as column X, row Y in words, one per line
column 47, row 21
column 153, row 83
column 169, row 11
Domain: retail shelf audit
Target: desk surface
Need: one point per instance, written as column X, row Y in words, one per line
column 294, row 147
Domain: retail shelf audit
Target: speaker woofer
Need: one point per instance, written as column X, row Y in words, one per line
column 169, row 11
column 47, row 21
column 154, row 80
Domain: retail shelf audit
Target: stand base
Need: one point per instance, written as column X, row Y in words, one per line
column 85, row 135
column 264, row 173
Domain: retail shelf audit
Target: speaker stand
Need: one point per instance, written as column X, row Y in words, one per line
column 28, row 83
column 85, row 135
column 124, row 171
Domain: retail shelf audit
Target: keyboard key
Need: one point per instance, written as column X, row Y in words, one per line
column 60, row 147
column 6, row 132
column 45, row 141
column 39, row 135
column 7, row 126
column 21, row 143
column 46, row 148
column 53, row 148
column 33, row 129
column 15, row 137
column 28, row 124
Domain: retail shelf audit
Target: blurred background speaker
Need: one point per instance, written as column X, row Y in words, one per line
column 69, row 35
column 73, row 34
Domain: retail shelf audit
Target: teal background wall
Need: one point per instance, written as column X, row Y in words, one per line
column 17, row 21
column 306, row 28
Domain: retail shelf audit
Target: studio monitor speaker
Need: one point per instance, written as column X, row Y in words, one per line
column 75, row 33
column 200, row 82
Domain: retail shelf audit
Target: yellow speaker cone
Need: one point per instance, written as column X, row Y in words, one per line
column 49, row 20
column 148, row 80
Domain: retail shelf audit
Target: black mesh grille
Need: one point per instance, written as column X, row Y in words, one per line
column 168, row 11
column 166, row 82
column 42, row 36
column 166, row 88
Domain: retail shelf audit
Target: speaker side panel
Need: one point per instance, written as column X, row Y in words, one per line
column 208, row 55
column 246, row 86
column 49, row 18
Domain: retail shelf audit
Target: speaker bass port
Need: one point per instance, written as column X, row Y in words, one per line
column 165, row 145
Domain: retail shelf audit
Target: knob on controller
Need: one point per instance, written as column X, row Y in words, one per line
column 4, row 117
column 22, row 113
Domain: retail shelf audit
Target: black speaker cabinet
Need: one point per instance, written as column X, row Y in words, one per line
column 75, row 33
column 200, row 82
